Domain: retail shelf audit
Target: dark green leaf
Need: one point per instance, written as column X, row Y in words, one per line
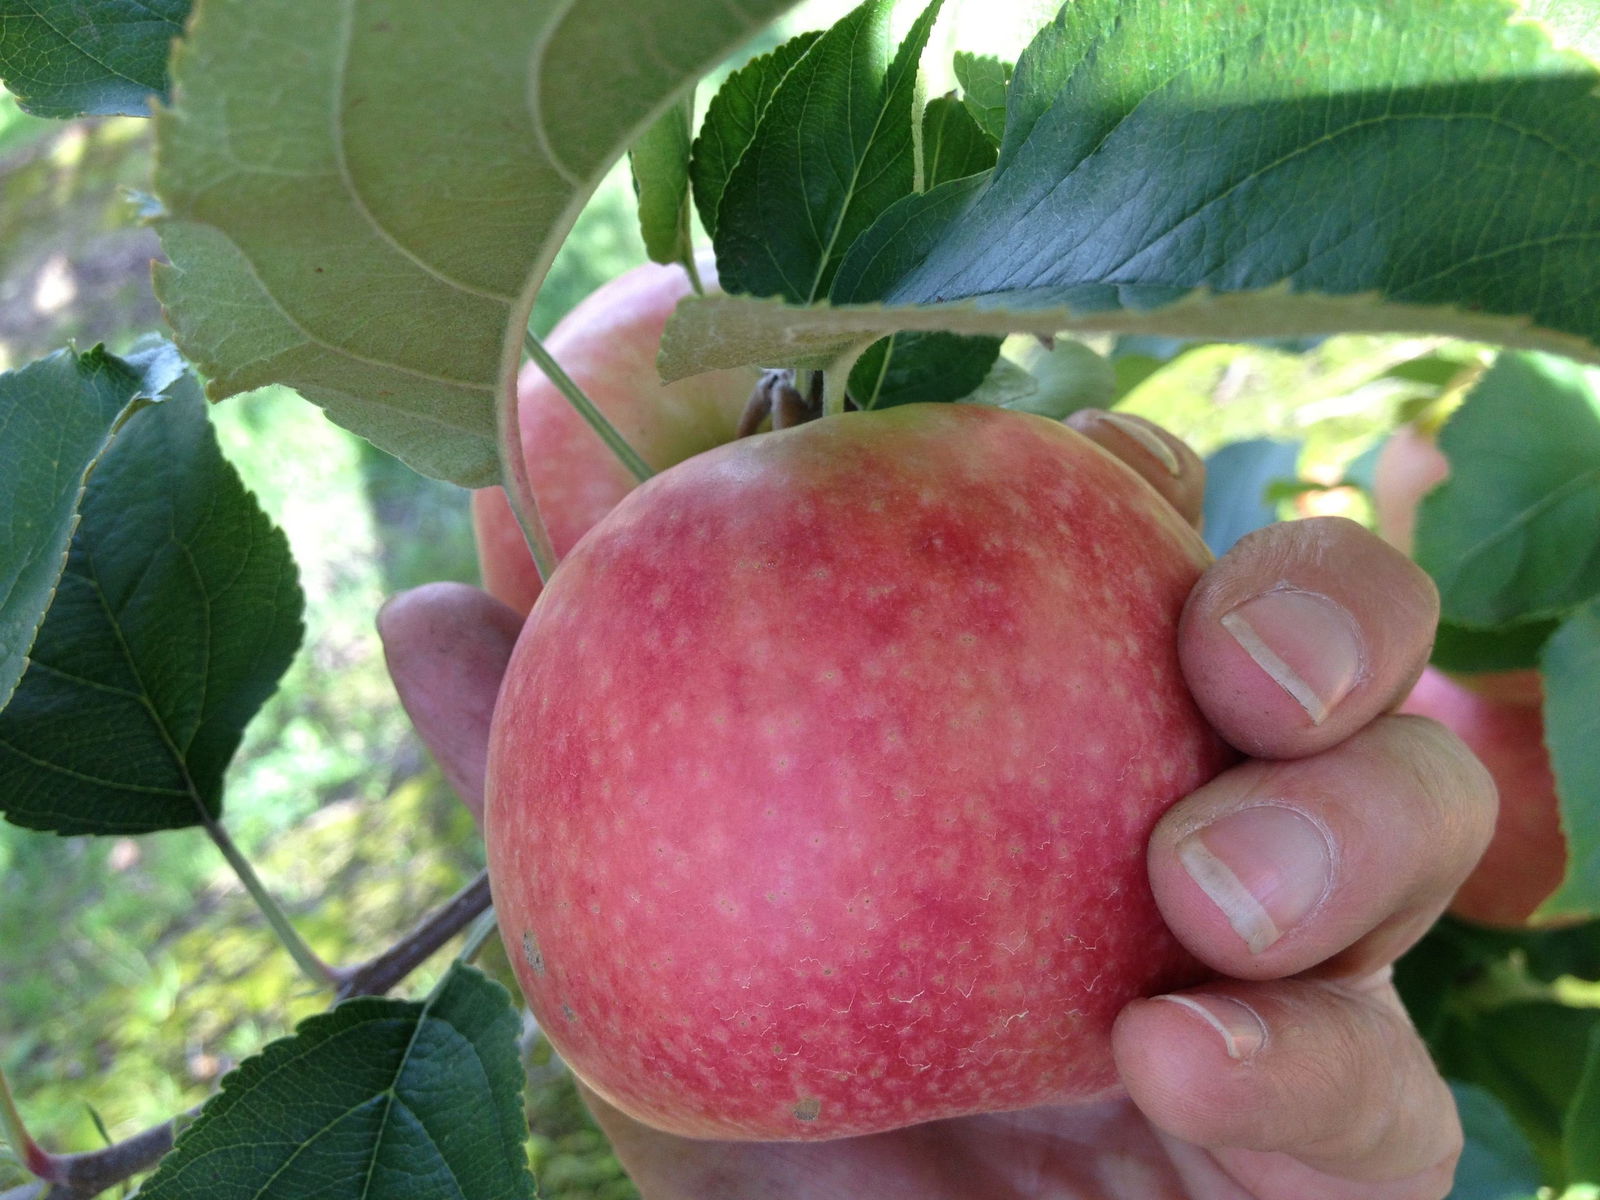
column 1583, row 1120
column 69, row 58
column 900, row 238
column 1496, row 1163
column 1237, row 479
column 378, row 1099
column 1531, row 1056
column 1514, row 534
column 660, row 164
column 1152, row 149
column 953, row 146
column 919, row 368
column 983, row 83
column 1514, row 648
column 833, row 149
column 176, row 614
column 1571, row 664
column 731, row 120
column 57, row 416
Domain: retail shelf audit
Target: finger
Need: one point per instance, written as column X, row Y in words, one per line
column 1335, row 863
column 447, row 646
column 1303, row 633
column 1298, row 1087
column 1164, row 460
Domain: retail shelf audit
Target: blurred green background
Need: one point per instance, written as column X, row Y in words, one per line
column 134, row 972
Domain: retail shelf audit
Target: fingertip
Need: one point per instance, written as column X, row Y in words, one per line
column 1162, row 459
column 1303, row 633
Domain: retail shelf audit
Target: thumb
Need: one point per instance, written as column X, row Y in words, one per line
column 447, row 645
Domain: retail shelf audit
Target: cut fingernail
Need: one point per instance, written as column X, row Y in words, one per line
column 1308, row 644
column 1146, row 437
column 1266, row 868
column 1242, row 1029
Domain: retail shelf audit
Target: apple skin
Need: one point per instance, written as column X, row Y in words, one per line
column 1497, row 714
column 822, row 776
column 608, row 345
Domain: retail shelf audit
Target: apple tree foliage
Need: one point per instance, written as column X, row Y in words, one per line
column 360, row 199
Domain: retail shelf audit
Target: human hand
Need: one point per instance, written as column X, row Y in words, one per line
column 1295, row 1075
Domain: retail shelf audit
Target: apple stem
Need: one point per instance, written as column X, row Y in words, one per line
column 618, row 445
column 314, row 968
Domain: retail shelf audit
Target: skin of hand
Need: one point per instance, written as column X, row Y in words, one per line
column 1299, row 875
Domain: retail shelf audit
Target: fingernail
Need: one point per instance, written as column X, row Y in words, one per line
column 1264, row 867
column 1242, row 1029
column 1146, row 437
column 1308, row 644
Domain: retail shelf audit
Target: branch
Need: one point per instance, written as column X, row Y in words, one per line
column 378, row 975
column 80, row 1176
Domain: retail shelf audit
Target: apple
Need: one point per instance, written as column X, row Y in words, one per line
column 608, row 345
column 822, row 774
column 1497, row 714
column 1527, row 857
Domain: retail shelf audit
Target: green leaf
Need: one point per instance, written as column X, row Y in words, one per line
column 57, row 416
column 731, row 120
column 833, row 149
column 983, row 83
column 712, row 332
column 1496, row 1163
column 364, row 197
column 1514, row 648
column 1583, row 1120
column 1152, row 149
column 1530, row 1056
column 659, row 161
column 1571, row 664
column 176, row 614
column 1514, row 534
column 921, row 368
column 1237, row 479
column 1069, row 376
column 953, row 146
column 377, row 1099
column 70, row 58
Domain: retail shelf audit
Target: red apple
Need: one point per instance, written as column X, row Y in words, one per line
column 1527, row 857
column 1497, row 714
column 608, row 345
column 822, row 774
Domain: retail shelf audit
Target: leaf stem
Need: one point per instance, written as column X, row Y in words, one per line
column 314, row 968
column 618, row 445
column 518, row 487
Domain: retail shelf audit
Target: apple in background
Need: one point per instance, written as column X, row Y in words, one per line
column 608, row 345
column 822, row 776
column 1496, row 714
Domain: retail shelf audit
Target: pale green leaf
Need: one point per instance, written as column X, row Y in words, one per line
column 363, row 198
column 659, row 161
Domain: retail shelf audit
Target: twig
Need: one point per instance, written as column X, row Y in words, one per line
column 378, row 975
column 80, row 1176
